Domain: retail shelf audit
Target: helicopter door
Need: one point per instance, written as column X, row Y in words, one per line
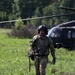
column 73, row 38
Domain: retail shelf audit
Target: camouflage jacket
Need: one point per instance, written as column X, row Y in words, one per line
column 42, row 46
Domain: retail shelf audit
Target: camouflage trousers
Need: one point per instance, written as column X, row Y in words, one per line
column 40, row 65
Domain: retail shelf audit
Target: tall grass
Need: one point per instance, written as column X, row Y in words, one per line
column 14, row 59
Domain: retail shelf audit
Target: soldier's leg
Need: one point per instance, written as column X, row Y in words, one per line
column 43, row 64
column 36, row 63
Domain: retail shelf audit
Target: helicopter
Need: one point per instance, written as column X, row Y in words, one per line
column 63, row 35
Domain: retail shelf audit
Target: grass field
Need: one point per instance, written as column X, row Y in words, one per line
column 14, row 59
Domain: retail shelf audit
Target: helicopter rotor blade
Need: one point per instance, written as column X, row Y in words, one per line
column 66, row 8
column 38, row 17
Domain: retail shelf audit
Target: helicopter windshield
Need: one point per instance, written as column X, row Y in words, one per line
column 54, row 32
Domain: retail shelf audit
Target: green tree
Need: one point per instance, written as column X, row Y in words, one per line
column 6, row 8
column 70, row 4
column 18, row 23
column 15, row 9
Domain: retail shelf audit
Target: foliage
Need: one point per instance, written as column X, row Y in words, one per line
column 14, row 59
column 23, row 32
column 18, row 23
column 49, row 11
column 70, row 4
column 6, row 8
column 35, row 22
column 44, row 22
column 12, row 9
column 2, row 15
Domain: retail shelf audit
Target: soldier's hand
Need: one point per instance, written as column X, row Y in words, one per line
column 54, row 60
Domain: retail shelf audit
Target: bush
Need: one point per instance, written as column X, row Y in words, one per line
column 18, row 23
column 23, row 32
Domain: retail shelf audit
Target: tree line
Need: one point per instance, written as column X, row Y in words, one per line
column 14, row 9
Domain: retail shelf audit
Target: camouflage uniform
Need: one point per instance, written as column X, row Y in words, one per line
column 41, row 48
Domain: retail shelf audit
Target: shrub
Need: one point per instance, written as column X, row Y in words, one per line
column 23, row 32
column 18, row 23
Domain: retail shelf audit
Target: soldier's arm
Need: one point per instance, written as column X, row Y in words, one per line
column 32, row 42
column 51, row 47
column 52, row 51
column 31, row 48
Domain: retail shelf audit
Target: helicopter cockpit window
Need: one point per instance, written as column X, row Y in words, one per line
column 55, row 33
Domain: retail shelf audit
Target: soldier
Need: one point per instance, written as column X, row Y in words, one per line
column 41, row 46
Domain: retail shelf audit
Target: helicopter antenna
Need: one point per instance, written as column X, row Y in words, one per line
column 38, row 17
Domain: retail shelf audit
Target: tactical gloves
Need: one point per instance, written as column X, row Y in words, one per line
column 31, row 56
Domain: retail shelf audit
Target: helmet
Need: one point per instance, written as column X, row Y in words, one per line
column 44, row 28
